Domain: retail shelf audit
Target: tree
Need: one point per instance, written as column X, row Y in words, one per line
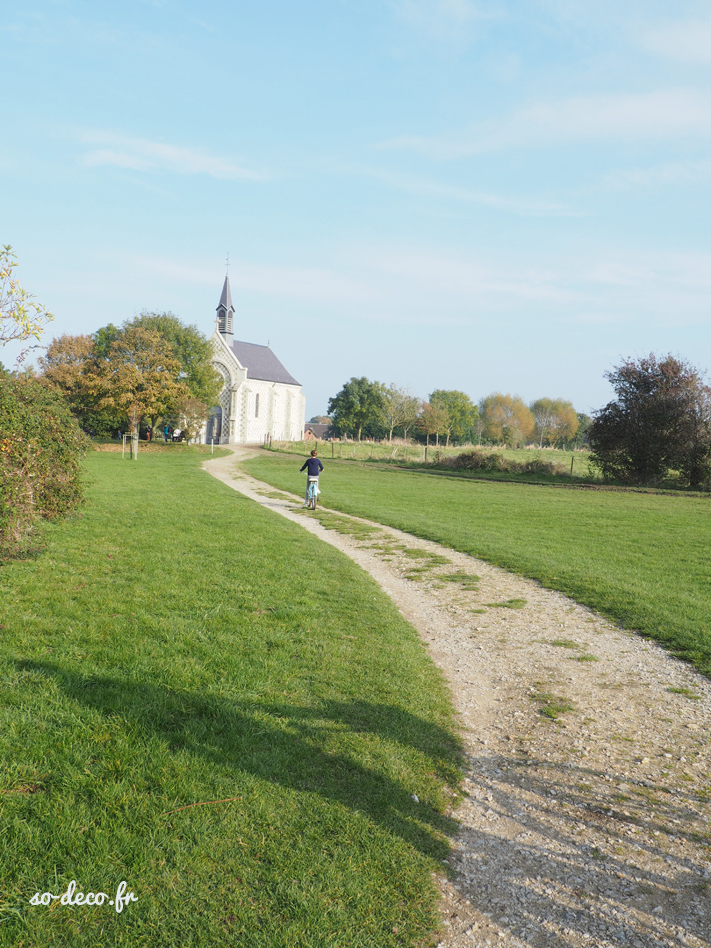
column 191, row 348
column 192, row 415
column 409, row 413
column 320, row 420
column 461, row 412
column 397, row 408
column 359, row 404
column 659, row 422
column 581, row 435
column 555, row 420
column 21, row 318
column 432, row 420
column 506, row 419
column 139, row 376
column 70, row 365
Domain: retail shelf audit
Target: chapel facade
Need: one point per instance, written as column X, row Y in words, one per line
column 260, row 398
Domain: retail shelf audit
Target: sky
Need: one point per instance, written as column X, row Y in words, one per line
column 486, row 196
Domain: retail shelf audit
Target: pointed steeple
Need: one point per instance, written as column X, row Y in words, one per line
column 225, row 312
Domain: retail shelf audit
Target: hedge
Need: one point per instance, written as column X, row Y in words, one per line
column 41, row 447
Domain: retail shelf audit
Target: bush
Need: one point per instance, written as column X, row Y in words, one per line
column 41, row 447
column 659, row 424
column 484, row 461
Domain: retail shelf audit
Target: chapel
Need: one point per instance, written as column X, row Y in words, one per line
column 260, row 398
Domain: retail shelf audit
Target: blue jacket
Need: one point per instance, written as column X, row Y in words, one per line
column 314, row 465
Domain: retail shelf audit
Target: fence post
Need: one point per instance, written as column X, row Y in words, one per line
column 212, row 445
column 426, row 446
column 123, row 446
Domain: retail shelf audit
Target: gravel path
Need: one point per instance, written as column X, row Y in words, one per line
column 588, row 789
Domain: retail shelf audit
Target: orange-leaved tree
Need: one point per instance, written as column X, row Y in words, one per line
column 69, row 364
column 432, row 420
column 138, row 376
column 506, row 419
column 556, row 420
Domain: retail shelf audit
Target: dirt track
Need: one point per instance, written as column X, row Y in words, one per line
column 589, row 781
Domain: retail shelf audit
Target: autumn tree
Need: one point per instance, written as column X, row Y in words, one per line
column 21, row 317
column 659, row 422
column 359, row 405
column 555, row 420
column 191, row 415
column 400, row 409
column 432, row 420
column 139, row 376
column 190, row 347
column 461, row 414
column 506, row 419
column 409, row 413
column 70, row 365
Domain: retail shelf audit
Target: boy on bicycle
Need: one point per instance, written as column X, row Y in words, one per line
column 314, row 468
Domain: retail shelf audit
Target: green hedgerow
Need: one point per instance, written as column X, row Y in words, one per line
column 41, row 447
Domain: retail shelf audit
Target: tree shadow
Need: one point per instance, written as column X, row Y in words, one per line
column 286, row 744
column 598, row 890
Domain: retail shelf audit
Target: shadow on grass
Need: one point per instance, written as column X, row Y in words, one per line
column 303, row 748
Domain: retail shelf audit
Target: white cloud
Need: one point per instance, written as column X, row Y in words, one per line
column 142, row 155
column 622, row 117
column 674, row 173
column 444, row 19
column 426, row 286
column 524, row 207
column 688, row 41
column 315, row 284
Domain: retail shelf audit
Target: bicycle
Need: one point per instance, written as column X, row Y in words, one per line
column 312, row 495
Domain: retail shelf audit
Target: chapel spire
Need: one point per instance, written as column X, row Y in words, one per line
column 225, row 312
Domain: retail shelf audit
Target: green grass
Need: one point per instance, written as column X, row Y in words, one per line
column 414, row 454
column 552, row 706
column 641, row 559
column 507, row 604
column 687, row 692
column 176, row 645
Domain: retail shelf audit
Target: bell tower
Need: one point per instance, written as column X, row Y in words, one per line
column 225, row 313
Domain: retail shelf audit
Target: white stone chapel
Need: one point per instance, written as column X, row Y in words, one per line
column 259, row 397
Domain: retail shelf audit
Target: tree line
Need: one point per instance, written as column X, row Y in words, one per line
column 153, row 368
column 369, row 409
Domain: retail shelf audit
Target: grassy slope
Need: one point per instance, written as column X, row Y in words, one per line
column 642, row 559
column 179, row 644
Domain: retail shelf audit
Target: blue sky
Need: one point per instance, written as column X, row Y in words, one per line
column 458, row 194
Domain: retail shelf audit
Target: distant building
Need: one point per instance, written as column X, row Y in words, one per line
column 260, row 397
column 314, row 431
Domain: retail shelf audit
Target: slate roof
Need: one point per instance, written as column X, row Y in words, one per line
column 226, row 298
column 261, row 363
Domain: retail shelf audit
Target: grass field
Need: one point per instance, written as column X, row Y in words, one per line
column 642, row 559
column 414, row 454
column 177, row 645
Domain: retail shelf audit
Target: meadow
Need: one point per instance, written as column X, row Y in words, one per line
column 205, row 701
column 574, row 464
column 638, row 558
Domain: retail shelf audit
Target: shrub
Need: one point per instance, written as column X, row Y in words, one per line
column 484, row 461
column 41, row 447
column 659, row 423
